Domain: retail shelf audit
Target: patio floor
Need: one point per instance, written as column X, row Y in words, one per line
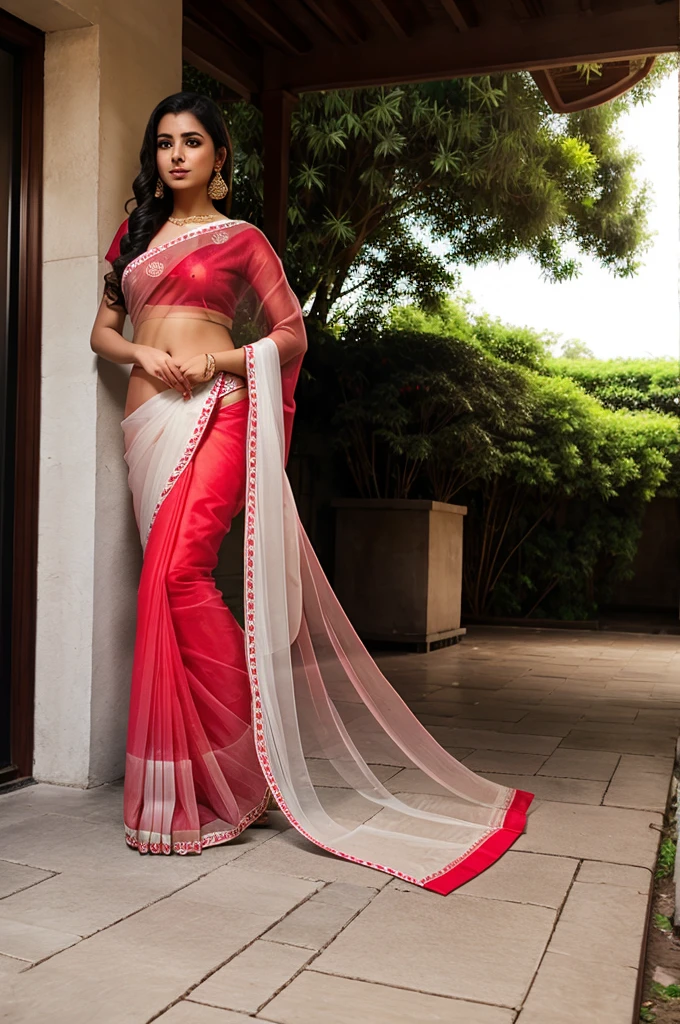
column 272, row 928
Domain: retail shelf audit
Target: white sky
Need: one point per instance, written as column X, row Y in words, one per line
column 614, row 317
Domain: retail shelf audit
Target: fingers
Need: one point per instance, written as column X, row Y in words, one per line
column 180, row 381
column 165, row 374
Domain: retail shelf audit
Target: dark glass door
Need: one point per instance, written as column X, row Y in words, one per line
column 10, row 99
column 21, row 132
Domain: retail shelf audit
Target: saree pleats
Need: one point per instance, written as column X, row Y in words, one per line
column 192, row 772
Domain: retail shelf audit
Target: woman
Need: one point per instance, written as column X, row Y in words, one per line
column 207, row 429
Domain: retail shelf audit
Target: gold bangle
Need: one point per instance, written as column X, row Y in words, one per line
column 209, row 371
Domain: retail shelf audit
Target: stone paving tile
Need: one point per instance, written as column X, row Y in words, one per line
column 345, row 894
column 632, row 743
column 656, row 730
column 515, row 878
column 496, row 710
column 610, row 713
column 486, row 739
column 643, row 764
column 613, row 834
column 570, row 791
column 567, row 989
column 142, row 964
column 56, row 842
column 292, row 854
column 319, row 920
column 504, row 761
column 188, row 1012
column 597, row 924
column 42, row 798
column 31, row 941
column 558, row 714
column 45, row 841
column 14, row 877
column 580, row 764
column 251, row 979
column 631, row 788
column 654, row 715
column 595, row 872
column 462, row 946
column 454, row 695
column 314, row 998
column 9, row 966
column 83, row 902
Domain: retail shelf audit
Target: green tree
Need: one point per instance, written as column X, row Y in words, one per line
column 576, row 349
column 480, row 166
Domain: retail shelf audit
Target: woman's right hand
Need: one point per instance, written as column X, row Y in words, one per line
column 160, row 364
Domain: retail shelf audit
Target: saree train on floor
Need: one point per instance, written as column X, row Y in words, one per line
column 297, row 704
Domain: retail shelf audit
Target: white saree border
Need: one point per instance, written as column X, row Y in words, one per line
column 276, row 626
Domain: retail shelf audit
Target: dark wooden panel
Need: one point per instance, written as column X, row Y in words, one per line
column 537, row 42
column 208, row 53
column 30, row 44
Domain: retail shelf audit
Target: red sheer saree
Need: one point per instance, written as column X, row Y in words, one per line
column 349, row 764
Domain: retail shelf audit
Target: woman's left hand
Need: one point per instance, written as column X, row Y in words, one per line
column 194, row 370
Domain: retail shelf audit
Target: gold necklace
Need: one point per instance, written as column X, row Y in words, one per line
column 199, row 218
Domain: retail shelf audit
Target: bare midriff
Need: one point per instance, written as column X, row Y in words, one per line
column 181, row 338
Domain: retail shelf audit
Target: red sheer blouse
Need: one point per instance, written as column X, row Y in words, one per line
column 205, row 274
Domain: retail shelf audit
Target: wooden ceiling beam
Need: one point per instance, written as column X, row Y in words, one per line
column 340, row 19
column 212, row 55
column 530, row 8
column 264, row 16
column 578, row 38
column 220, row 22
column 397, row 20
column 463, row 17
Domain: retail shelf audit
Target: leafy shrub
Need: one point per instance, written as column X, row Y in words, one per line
column 449, row 408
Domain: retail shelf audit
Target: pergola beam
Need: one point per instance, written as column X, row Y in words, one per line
column 395, row 19
column 534, row 43
column 460, row 18
column 340, row 20
column 263, row 15
column 212, row 55
column 277, row 107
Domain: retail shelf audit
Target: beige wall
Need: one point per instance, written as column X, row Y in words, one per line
column 106, row 66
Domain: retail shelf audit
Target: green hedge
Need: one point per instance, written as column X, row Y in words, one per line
column 637, row 384
column 453, row 408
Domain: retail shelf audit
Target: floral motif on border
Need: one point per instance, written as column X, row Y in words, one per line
column 202, row 230
column 197, row 434
column 196, row 846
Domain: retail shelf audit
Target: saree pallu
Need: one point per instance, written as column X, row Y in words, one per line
column 348, row 763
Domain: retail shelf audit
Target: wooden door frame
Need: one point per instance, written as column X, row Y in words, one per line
column 29, row 44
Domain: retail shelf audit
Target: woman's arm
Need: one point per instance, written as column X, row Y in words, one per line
column 107, row 341
column 106, row 338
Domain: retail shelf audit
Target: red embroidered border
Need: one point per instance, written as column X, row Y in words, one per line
column 488, row 848
column 210, row 839
column 202, row 230
column 214, row 394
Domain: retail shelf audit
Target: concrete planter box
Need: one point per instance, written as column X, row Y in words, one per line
column 398, row 568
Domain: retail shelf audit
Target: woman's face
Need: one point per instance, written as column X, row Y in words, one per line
column 185, row 153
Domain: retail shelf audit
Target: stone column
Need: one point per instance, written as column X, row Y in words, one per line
column 106, row 66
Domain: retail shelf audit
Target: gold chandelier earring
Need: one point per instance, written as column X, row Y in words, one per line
column 160, row 190
column 218, row 188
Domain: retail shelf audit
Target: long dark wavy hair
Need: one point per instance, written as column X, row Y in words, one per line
column 149, row 215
